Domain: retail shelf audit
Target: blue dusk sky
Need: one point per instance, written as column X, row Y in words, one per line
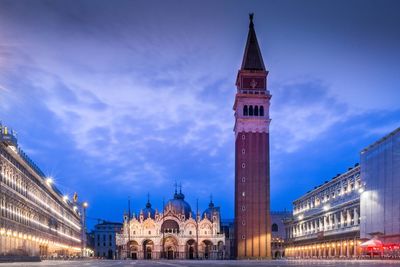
column 123, row 98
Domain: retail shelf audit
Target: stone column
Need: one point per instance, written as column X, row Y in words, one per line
column 355, row 248
column 355, row 216
column 335, row 220
column 341, row 219
column 341, row 248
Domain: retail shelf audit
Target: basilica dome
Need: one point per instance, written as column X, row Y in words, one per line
column 178, row 205
column 148, row 211
column 209, row 212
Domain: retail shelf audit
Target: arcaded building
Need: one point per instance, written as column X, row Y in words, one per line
column 354, row 214
column 177, row 232
column 35, row 218
column 252, row 169
column 326, row 220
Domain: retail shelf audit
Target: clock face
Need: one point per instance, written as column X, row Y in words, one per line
column 253, row 83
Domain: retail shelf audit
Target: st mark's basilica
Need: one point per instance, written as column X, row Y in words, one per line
column 173, row 233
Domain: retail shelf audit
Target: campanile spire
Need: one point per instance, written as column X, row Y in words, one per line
column 252, row 58
column 252, row 169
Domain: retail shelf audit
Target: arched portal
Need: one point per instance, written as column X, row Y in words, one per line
column 171, row 247
column 277, row 255
column 207, row 248
column 133, row 248
column 148, row 246
column 190, row 249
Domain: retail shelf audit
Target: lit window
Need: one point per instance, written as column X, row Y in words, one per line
column 243, row 194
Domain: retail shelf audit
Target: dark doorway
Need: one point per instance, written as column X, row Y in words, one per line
column 170, row 253
column 191, row 253
column 134, row 256
column 148, row 253
column 110, row 254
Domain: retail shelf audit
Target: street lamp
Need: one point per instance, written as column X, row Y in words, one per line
column 49, row 181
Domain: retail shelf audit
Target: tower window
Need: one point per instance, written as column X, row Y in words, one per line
column 256, row 111
column 262, row 111
column 243, row 165
column 243, row 151
column 243, row 223
column 274, row 227
column 243, row 208
column 243, row 237
column 251, row 111
column 245, row 110
column 243, row 137
column 243, row 194
column 243, row 179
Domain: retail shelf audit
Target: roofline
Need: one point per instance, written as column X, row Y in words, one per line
column 381, row 140
column 322, row 186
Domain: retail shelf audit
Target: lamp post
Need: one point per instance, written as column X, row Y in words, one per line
column 82, row 206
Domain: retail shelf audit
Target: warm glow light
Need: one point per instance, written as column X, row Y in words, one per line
column 54, row 211
column 49, row 181
column 38, row 223
column 85, row 204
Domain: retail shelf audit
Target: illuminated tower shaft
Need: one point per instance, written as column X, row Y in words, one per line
column 252, row 169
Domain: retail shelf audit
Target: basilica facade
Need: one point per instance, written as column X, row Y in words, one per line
column 175, row 233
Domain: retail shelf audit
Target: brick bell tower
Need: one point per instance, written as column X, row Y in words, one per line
column 252, row 169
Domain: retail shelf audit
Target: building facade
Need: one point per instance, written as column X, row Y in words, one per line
column 355, row 214
column 278, row 233
column 380, row 203
column 326, row 221
column 228, row 228
column 252, row 170
column 104, row 238
column 35, row 218
column 174, row 233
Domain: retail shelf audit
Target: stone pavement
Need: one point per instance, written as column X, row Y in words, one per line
column 192, row 263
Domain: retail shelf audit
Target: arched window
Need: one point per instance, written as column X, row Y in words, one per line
column 274, row 227
column 245, row 110
column 256, row 111
column 251, row 111
column 261, row 111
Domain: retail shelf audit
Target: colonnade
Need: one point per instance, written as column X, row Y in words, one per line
column 346, row 248
column 18, row 243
